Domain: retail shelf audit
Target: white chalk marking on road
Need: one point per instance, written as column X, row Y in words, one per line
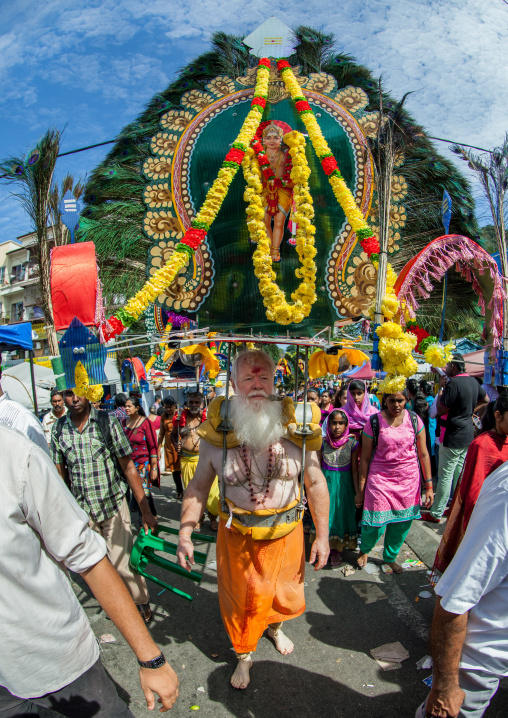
column 405, row 609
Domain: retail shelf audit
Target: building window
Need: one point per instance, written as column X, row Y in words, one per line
column 2, row 275
column 38, row 313
column 17, row 312
column 17, row 273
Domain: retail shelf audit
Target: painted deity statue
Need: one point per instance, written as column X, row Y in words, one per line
column 278, row 191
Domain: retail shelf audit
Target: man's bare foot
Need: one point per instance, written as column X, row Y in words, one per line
column 395, row 566
column 362, row 559
column 282, row 643
column 241, row 676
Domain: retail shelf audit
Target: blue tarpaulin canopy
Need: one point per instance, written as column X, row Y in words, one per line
column 19, row 336
column 16, row 336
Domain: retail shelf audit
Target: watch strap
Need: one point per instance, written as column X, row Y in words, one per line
column 156, row 662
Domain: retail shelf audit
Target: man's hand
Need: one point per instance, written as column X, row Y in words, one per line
column 445, row 704
column 149, row 520
column 114, row 598
column 185, row 553
column 359, row 499
column 320, row 550
column 162, row 681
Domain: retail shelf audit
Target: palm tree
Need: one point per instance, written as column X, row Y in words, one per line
column 40, row 196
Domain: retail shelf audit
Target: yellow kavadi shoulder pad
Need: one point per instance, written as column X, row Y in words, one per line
column 209, row 429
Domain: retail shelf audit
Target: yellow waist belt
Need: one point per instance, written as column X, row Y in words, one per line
column 263, row 524
column 192, row 456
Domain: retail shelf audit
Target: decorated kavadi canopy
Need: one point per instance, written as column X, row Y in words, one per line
column 260, row 210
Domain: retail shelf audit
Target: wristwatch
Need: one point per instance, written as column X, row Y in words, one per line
column 156, row 662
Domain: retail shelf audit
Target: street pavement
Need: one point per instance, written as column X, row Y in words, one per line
column 330, row 673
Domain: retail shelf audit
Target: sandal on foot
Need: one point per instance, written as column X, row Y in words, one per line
column 145, row 611
column 275, row 255
column 335, row 559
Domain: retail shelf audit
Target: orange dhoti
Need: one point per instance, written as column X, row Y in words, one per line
column 260, row 582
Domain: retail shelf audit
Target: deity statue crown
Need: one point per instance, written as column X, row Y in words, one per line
column 273, row 129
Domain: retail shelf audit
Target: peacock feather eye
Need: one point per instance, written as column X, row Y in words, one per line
column 17, row 170
column 161, row 103
column 33, row 158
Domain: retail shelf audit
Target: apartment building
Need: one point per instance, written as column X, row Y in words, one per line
column 19, row 288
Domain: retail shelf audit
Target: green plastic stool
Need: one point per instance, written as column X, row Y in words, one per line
column 143, row 553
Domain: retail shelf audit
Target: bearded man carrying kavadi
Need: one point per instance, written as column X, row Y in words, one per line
column 260, row 542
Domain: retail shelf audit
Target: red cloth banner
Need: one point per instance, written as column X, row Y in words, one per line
column 74, row 284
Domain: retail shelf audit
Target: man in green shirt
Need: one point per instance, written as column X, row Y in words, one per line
column 93, row 473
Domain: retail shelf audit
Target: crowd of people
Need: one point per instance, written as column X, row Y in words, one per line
column 436, row 451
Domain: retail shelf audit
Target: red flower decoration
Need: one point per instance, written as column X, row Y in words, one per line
column 329, row 164
column 282, row 64
column 420, row 333
column 259, row 101
column 257, row 146
column 194, row 237
column 235, row 155
column 370, row 245
column 263, row 159
column 268, row 172
column 184, row 417
column 116, row 328
column 265, row 62
column 302, row 105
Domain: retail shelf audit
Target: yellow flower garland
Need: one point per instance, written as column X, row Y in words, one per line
column 92, row 392
column 208, row 212
column 390, row 304
column 162, row 278
column 218, row 191
column 340, row 188
column 438, row 355
column 277, row 308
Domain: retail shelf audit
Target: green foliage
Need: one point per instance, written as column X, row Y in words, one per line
column 487, row 238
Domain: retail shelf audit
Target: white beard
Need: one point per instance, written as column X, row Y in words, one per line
column 257, row 423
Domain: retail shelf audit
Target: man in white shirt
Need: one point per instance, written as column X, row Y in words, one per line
column 15, row 416
column 58, row 409
column 49, row 655
column 470, row 627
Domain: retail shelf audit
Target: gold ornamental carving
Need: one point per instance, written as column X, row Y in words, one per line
column 276, row 89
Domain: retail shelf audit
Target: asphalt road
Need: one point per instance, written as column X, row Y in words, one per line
column 330, row 673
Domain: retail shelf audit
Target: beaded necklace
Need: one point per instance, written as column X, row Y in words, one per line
column 273, row 467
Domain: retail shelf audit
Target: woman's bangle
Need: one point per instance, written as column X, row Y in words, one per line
column 428, row 482
column 184, row 533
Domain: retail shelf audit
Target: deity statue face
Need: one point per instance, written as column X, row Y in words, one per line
column 272, row 142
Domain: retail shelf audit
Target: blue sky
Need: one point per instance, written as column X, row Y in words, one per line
column 92, row 66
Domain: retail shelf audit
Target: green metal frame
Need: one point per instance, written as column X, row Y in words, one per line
column 143, row 553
